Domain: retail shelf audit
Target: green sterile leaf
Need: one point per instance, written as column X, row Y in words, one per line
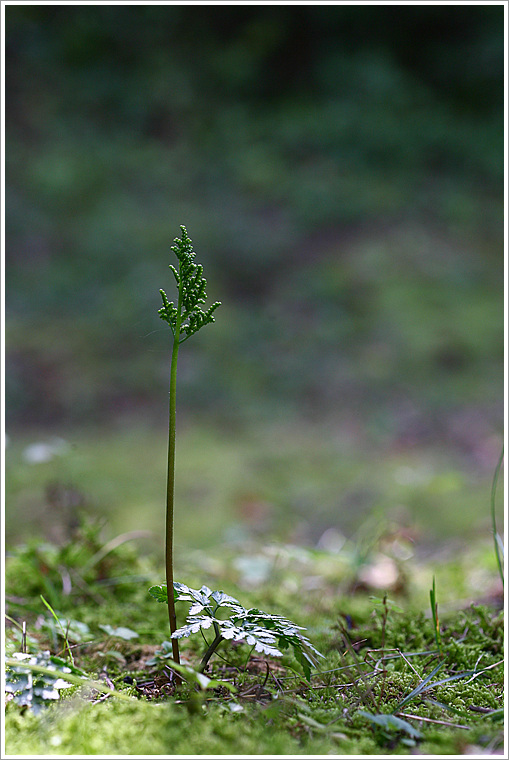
column 175, row 274
column 276, row 622
column 259, row 638
column 185, row 594
column 182, row 593
column 202, row 596
column 160, row 593
column 305, row 663
column 196, row 608
column 120, row 633
column 267, row 633
column 203, row 681
column 225, row 600
column 285, row 634
column 201, row 599
column 193, row 626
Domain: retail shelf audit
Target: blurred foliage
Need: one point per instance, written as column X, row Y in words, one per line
column 302, row 484
column 339, row 168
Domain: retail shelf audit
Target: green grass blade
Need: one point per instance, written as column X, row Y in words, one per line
column 419, row 688
column 499, row 549
column 64, row 634
column 434, row 613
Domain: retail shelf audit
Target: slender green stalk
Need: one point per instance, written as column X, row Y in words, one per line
column 212, row 648
column 170, row 488
column 217, row 640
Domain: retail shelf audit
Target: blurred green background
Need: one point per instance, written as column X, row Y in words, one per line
column 340, row 171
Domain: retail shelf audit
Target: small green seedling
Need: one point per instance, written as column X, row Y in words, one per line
column 184, row 319
column 265, row 633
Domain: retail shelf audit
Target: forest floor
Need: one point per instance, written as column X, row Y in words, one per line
column 402, row 671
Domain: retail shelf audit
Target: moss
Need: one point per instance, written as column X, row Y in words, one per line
column 281, row 713
column 147, row 729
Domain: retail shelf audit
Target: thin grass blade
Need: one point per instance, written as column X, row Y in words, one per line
column 419, row 688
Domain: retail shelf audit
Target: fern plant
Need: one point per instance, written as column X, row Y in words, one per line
column 184, row 319
column 265, row 632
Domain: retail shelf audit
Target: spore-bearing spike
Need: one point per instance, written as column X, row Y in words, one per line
column 191, row 283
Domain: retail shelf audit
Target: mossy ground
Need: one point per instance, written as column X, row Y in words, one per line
column 377, row 651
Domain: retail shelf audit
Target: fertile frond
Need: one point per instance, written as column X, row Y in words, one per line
column 168, row 312
column 187, row 317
